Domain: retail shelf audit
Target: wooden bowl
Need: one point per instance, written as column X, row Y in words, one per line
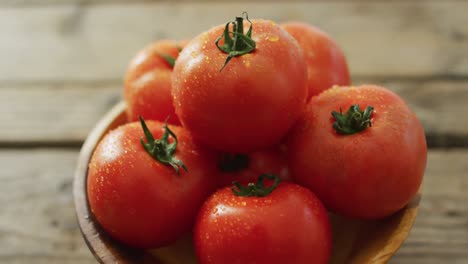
column 354, row 241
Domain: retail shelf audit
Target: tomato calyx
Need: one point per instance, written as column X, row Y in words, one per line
column 168, row 58
column 353, row 121
column 160, row 149
column 233, row 162
column 257, row 189
column 239, row 44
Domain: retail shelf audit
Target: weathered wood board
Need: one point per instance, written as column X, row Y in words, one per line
column 63, row 113
column 86, row 42
column 38, row 225
column 62, row 66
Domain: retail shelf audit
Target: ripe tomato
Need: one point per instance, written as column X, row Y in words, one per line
column 289, row 225
column 245, row 168
column 141, row 201
column 367, row 174
column 250, row 103
column 148, row 82
column 326, row 64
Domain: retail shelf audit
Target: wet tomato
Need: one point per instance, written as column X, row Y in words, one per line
column 326, row 64
column 147, row 195
column 364, row 160
column 240, row 97
column 263, row 225
column 148, row 82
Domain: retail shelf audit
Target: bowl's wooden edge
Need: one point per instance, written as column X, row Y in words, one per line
column 103, row 247
column 397, row 228
column 406, row 223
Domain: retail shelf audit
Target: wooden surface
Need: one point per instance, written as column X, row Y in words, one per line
column 61, row 70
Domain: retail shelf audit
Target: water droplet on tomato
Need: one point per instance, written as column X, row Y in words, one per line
column 272, row 38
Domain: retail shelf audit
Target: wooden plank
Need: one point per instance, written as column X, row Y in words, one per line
column 440, row 234
column 438, row 104
column 95, row 42
column 57, row 113
column 34, row 3
column 37, row 218
column 64, row 113
column 38, row 225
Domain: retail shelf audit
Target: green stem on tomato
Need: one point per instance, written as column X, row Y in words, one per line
column 257, row 189
column 239, row 44
column 168, row 58
column 160, row 149
column 353, row 121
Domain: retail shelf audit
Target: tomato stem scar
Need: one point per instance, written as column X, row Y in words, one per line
column 239, row 44
column 353, row 121
column 160, row 149
column 257, row 189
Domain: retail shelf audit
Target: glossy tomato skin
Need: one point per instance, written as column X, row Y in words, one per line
column 290, row 225
column 326, row 63
column 253, row 101
column 371, row 174
column 140, row 201
column 148, row 83
column 266, row 161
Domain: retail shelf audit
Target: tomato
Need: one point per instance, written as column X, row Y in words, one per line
column 356, row 169
column 326, row 64
column 148, row 82
column 289, row 225
column 144, row 202
column 245, row 168
column 245, row 103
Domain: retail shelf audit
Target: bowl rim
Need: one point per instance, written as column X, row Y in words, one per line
column 104, row 248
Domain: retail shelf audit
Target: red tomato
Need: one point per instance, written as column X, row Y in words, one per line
column 369, row 174
column 148, row 82
column 326, row 64
column 253, row 101
column 140, row 201
column 290, row 225
column 245, row 168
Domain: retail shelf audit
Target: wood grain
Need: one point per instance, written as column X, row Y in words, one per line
column 64, row 113
column 95, row 42
column 54, row 113
column 38, row 225
column 61, row 71
column 37, row 218
column 440, row 234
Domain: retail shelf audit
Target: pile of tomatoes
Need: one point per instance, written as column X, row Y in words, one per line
column 246, row 136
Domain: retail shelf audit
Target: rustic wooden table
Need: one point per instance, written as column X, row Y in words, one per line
column 61, row 69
